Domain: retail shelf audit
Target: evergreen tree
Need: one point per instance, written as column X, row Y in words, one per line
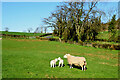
column 111, row 27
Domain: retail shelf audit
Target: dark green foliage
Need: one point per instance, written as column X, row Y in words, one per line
column 106, row 46
column 53, row 39
column 93, row 29
column 111, row 27
column 66, row 34
column 115, row 38
column 117, row 47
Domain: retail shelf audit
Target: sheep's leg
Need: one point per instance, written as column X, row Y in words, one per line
column 70, row 66
column 81, row 66
column 51, row 65
column 59, row 64
column 55, row 64
column 84, row 68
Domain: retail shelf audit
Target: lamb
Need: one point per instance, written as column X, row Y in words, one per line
column 81, row 61
column 60, row 62
column 53, row 62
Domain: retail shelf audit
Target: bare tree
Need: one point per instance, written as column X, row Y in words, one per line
column 37, row 30
column 41, row 29
column 6, row 29
column 30, row 29
column 72, row 20
column 45, row 29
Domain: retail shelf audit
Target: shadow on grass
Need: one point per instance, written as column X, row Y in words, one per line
column 60, row 65
column 78, row 67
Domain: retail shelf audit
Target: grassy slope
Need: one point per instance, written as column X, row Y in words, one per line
column 105, row 35
column 22, row 33
column 30, row 59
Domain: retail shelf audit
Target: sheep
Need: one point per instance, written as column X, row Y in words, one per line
column 78, row 61
column 53, row 62
column 60, row 62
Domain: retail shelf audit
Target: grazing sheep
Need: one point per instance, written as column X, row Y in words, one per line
column 78, row 61
column 53, row 62
column 60, row 62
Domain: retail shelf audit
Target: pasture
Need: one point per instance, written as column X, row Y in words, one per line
column 21, row 33
column 28, row 58
column 106, row 35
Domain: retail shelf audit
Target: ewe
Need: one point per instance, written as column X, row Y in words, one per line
column 81, row 61
column 53, row 62
column 60, row 62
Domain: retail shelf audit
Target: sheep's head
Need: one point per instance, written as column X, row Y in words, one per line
column 65, row 56
column 85, row 63
column 56, row 59
column 59, row 58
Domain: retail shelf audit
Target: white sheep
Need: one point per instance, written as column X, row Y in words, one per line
column 60, row 62
column 53, row 62
column 78, row 61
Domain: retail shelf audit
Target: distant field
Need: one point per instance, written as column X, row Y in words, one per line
column 24, row 58
column 101, row 35
column 22, row 33
column 106, row 35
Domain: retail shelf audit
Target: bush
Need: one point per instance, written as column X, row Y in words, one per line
column 115, row 39
column 106, row 46
column 53, row 39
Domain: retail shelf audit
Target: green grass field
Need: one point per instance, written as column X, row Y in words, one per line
column 22, row 33
column 23, row 58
